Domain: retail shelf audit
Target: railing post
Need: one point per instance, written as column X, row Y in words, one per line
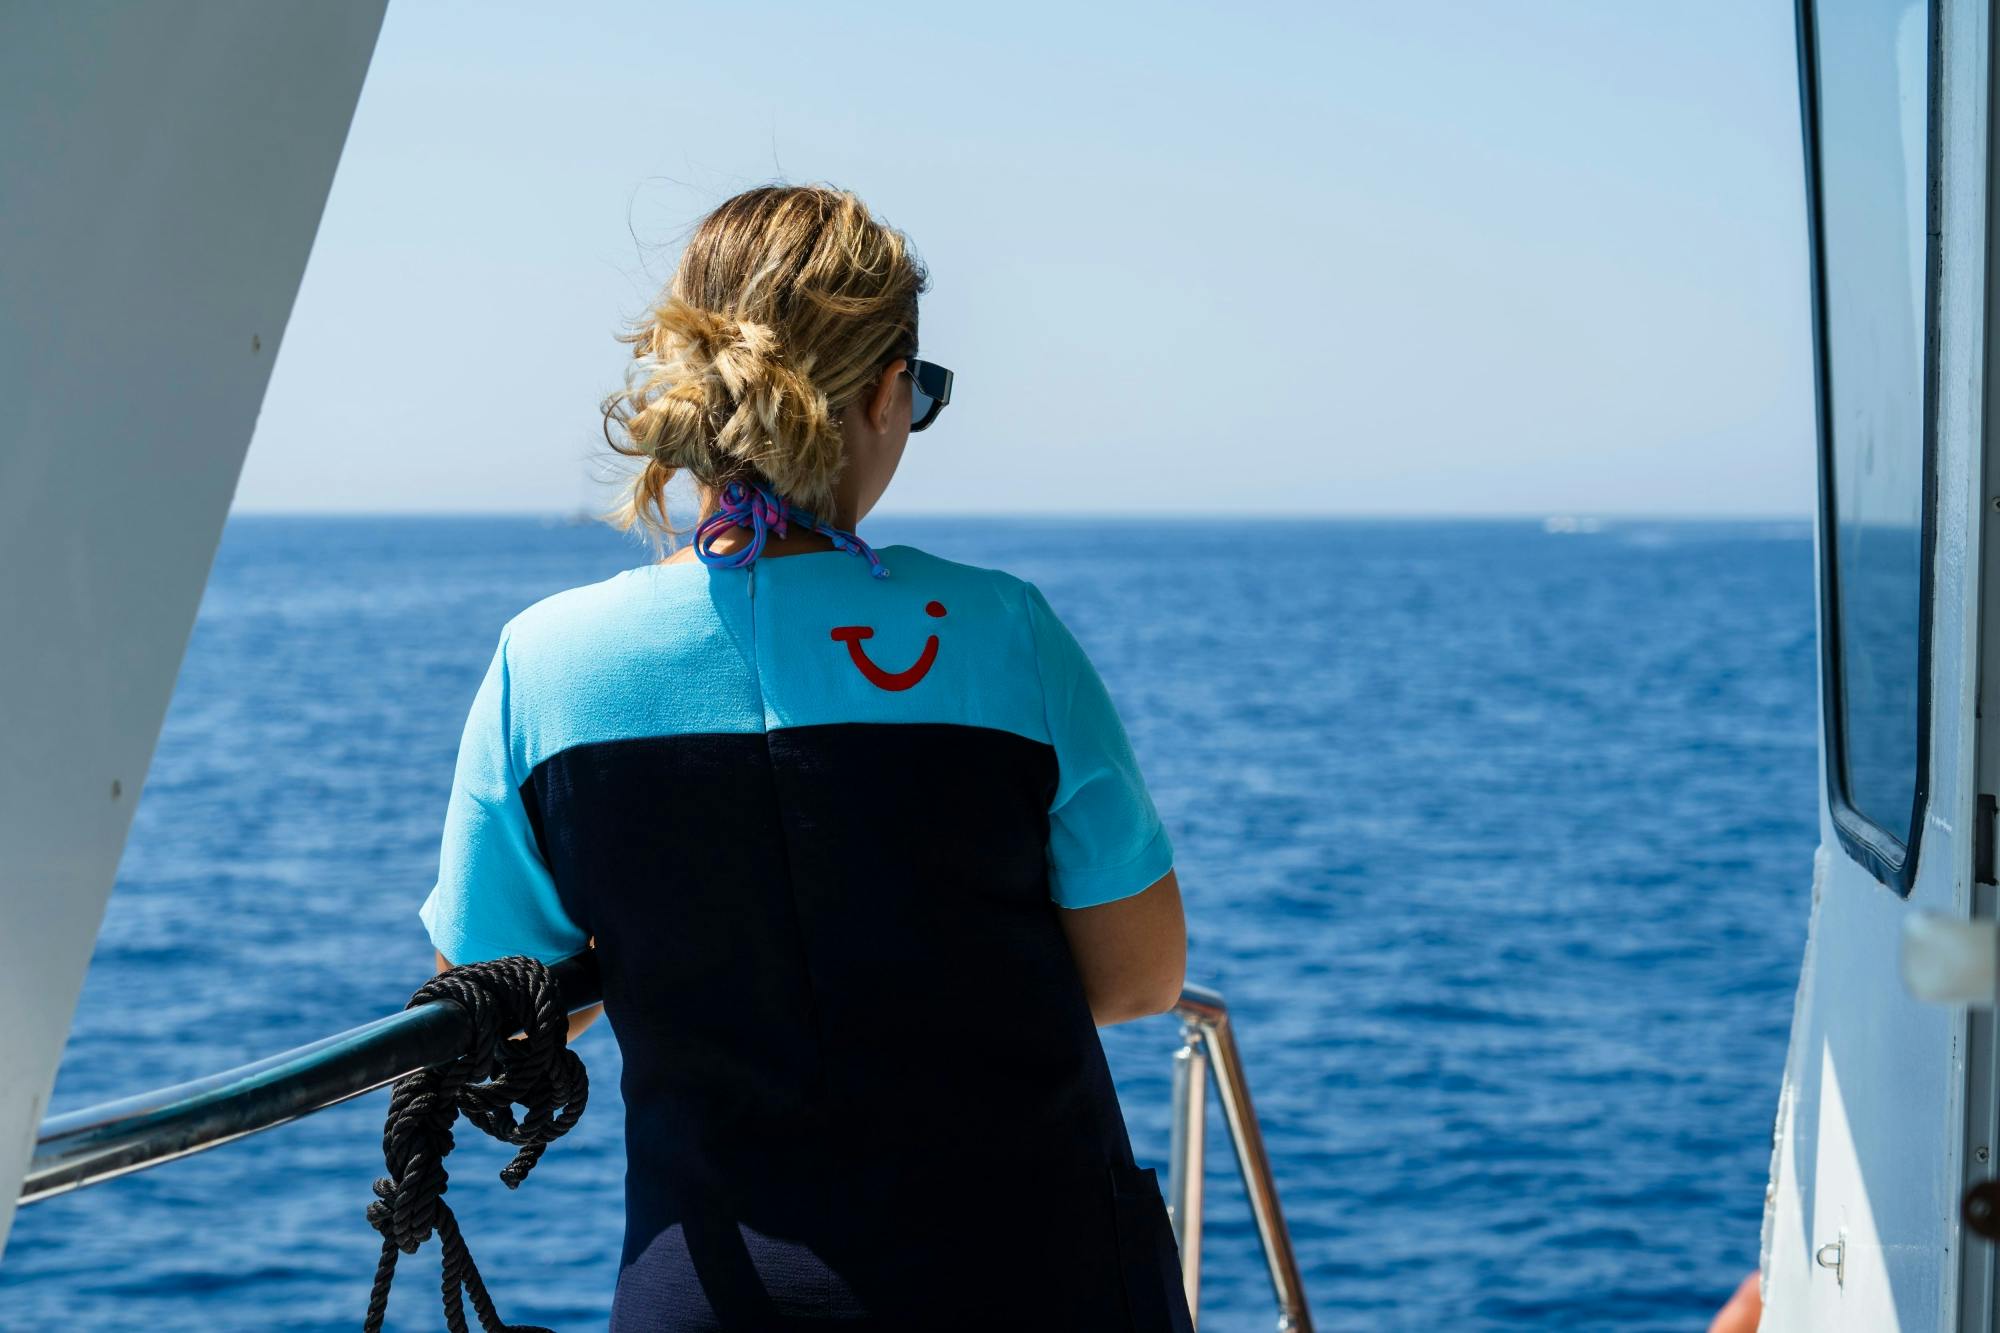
column 1206, row 1010
column 1255, row 1166
column 1186, row 1157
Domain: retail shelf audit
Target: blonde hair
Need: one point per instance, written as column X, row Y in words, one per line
column 786, row 304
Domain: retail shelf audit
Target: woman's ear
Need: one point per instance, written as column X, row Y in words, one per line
column 883, row 400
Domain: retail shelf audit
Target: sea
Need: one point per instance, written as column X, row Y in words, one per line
column 1498, row 841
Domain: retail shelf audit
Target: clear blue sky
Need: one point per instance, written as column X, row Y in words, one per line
column 1542, row 256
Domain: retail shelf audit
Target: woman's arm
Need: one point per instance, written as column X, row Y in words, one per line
column 1132, row 953
column 578, row 1021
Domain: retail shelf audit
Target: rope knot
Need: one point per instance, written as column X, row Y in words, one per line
column 537, row 1071
column 764, row 513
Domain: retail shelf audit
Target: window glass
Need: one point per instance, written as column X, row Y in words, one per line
column 1871, row 61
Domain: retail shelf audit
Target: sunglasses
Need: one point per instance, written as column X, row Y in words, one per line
column 930, row 390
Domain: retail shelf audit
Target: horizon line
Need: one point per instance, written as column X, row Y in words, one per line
column 583, row 516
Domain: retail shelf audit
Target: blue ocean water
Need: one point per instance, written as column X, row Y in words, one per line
column 1499, row 843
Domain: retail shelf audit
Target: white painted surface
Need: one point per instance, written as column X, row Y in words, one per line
column 1871, row 1115
column 1950, row 960
column 162, row 170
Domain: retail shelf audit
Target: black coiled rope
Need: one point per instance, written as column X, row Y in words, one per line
column 538, row 1071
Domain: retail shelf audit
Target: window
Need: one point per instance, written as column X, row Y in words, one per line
column 1866, row 65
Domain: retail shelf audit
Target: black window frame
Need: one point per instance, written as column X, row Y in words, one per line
column 1890, row 857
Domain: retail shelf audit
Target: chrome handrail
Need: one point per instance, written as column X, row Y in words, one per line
column 1208, row 1044
column 117, row 1138
column 114, row 1139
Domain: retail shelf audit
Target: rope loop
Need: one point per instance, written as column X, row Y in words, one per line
column 537, row 1071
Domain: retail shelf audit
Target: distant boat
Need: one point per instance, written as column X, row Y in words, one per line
column 1572, row 523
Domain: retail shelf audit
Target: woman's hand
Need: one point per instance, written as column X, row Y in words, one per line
column 1744, row 1310
column 1132, row 953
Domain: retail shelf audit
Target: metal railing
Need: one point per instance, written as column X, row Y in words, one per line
column 1208, row 1045
column 117, row 1138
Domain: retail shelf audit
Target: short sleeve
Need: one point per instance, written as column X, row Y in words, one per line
column 1105, row 839
column 494, row 896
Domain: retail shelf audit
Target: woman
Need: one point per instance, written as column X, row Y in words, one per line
column 857, row 836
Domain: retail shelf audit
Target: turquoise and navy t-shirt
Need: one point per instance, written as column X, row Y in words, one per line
column 821, row 827
column 596, row 696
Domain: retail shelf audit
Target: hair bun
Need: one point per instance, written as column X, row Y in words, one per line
column 718, row 396
column 738, row 372
column 675, row 322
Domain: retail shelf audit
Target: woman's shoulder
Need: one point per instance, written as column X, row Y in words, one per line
column 643, row 653
column 581, row 608
column 637, row 609
column 912, row 565
column 1008, row 591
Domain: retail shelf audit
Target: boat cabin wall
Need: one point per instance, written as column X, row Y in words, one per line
column 1871, row 1143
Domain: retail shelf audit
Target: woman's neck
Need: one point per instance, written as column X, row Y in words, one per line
column 798, row 539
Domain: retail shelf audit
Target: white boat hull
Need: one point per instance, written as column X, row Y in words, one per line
column 164, row 170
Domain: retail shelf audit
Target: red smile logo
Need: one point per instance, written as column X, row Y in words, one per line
column 852, row 635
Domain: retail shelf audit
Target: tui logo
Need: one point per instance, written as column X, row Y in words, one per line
column 853, row 635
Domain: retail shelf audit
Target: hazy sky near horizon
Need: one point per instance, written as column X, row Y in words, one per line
column 1545, row 256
